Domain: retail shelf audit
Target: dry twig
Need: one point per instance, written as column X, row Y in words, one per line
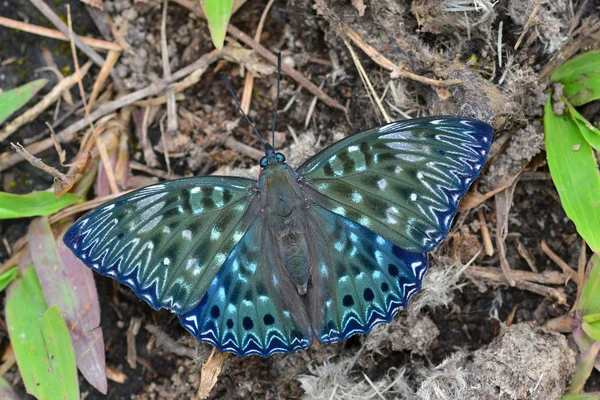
column 249, row 82
column 54, row 34
column 562, row 264
column 210, row 372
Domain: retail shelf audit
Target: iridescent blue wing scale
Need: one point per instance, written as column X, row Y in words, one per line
column 362, row 281
column 251, row 307
column 166, row 241
column 383, row 198
column 402, row 180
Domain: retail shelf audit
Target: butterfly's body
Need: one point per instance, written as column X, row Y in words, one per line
column 322, row 252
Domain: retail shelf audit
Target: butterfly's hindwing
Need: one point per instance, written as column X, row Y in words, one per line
column 402, row 180
column 362, row 278
column 166, row 241
column 251, row 307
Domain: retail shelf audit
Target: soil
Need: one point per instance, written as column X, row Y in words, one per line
column 457, row 331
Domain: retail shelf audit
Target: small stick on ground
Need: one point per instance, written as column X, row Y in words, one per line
column 367, row 83
column 210, row 372
column 172, row 125
column 59, row 177
column 110, row 173
column 111, row 60
column 152, row 171
column 249, row 82
column 528, row 25
column 503, row 202
column 54, row 34
column 243, row 148
column 167, row 344
column 526, row 280
column 132, row 331
column 562, row 264
column 488, row 246
column 396, row 70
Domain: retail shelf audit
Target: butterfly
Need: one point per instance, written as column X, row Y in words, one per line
column 322, row 252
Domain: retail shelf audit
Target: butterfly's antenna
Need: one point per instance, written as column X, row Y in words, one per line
column 242, row 111
column 277, row 100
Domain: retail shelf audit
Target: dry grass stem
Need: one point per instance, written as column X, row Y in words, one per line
column 249, row 151
column 110, row 173
column 111, row 60
column 396, row 70
column 367, row 83
column 503, row 201
column 472, row 199
column 530, row 281
column 528, row 25
column 172, row 124
column 164, row 342
column 61, row 181
column 33, row 112
column 210, row 372
column 134, row 328
column 79, row 208
column 488, row 246
column 289, row 71
column 562, row 264
column 159, row 173
column 54, row 34
column 249, row 81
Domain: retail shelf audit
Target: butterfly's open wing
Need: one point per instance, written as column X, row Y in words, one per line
column 402, row 180
column 251, row 306
column 166, row 241
column 362, row 278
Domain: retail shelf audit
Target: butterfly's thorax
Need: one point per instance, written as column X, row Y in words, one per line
column 285, row 209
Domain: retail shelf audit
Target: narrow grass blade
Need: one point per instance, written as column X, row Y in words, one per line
column 590, row 133
column 589, row 301
column 33, row 204
column 217, row 13
column 575, row 174
column 14, row 99
column 581, row 78
column 41, row 341
column 7, row 277
column 69, row 285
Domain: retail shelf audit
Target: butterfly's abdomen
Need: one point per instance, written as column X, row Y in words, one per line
column 285, row 211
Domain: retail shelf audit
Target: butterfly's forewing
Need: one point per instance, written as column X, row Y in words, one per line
column 362, row 281
column 166, row 241
column 251, row 306
column 403, row 180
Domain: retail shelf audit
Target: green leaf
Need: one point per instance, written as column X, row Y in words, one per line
column 589, row 302
column 14, row 99
column 592, row 318
column 580, row 396
column 592, row 330
column 575, row 174
column 7, row 277
column 41, row 341
column 581, row 78
column 33, row 204
column 589, row 131
column 217, row 13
